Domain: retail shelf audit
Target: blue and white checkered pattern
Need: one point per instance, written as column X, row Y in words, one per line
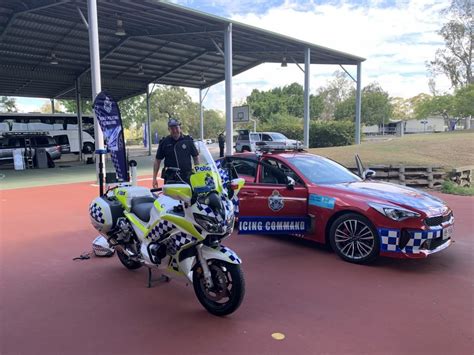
column 209, row 212
column 224, row 174
column 160, row 229
column 229, row 253
column 96, row 213
column 182, row 239
column 389, row 239
column 174, row 264
column 235, row 201
column 226, row 202
column 418, row 237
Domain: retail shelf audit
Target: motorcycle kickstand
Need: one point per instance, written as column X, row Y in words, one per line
column 163, row 278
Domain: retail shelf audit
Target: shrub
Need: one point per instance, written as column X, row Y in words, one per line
column 331, row 133
column 321, row 133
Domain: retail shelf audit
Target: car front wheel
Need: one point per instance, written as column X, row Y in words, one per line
column 354, row 238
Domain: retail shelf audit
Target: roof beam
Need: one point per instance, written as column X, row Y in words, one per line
column 206, row 31
column 18, row 13
column 234, row 73
column 148, row 55
column 192, row 59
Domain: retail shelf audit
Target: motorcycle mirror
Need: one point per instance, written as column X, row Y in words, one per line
column 236, row 184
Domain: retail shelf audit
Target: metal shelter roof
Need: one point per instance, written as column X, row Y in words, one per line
column 164, row 43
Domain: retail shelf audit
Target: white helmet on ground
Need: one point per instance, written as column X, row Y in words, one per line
column 101, row 247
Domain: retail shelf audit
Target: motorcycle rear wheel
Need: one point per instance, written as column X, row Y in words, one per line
column 228, row 291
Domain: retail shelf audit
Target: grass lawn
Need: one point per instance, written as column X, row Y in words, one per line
column 448, row 149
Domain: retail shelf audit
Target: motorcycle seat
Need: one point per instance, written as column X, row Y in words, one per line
column 141, row 206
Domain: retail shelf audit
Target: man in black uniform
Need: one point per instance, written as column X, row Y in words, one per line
column 177, row 151
column 221, row 140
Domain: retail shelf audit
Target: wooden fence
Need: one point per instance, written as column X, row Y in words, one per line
column 417, row 176
column 463, row 175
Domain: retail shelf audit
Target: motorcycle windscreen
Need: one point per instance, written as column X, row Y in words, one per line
column 206, row 177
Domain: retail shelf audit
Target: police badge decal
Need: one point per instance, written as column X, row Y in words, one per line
column 275, row 201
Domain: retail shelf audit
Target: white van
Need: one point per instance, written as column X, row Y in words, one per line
column 69, row 141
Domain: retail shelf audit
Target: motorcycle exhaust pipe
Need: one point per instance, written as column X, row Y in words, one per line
column 123, row 250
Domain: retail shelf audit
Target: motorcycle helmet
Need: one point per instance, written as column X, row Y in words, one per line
column 101, row 247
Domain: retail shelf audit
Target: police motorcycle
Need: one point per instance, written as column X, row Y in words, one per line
column 179, row 230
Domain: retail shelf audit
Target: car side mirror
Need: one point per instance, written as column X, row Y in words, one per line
column 368, row 174
column 290, row 183
column 181, row 192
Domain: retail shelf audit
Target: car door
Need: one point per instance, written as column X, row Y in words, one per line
column 271, row 205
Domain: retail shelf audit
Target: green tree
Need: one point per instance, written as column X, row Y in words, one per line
column 133, row 111
column 287, row 100
column 402, row 108
column 464, row 101
column 442, row 105
column 7, row 104
column 376, row 106
column 455, row 59
column 71, row 107
column 337, row 90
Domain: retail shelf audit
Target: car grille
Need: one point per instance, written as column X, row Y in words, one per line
column 436, row 221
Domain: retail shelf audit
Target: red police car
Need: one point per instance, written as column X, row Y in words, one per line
column 306, row 195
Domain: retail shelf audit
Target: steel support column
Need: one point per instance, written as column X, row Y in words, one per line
column 229, row 139
column 358, row 104
column 201, row 111
column 95, row 74
column 79, row 116
column 307, row 62
column 52, row 106
column 148, row 118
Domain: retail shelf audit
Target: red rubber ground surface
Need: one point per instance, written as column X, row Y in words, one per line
column 53, row 305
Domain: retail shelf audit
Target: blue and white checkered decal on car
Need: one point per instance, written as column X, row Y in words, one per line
column 229, row 253
column 96, row 213
column 160, row 229
column 389, row 239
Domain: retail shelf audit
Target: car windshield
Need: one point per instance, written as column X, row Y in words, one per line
column 278, row 136
column 322, row 171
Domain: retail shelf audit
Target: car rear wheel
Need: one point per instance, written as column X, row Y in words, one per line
column 88, row 148
column 354, row 238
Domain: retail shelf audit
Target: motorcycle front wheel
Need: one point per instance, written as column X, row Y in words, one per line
column 128, row 262
column 228, row 290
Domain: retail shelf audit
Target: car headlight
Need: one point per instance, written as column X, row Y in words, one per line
column 394, row 212
column 210, row 224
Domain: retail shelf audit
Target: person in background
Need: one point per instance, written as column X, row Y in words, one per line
column 177, row 150
column 221, row 140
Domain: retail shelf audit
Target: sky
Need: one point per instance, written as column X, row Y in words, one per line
column 397, row 38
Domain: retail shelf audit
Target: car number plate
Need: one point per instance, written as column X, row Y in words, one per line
column 448, row 232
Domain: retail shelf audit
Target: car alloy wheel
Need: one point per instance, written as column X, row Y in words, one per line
column 354, row 239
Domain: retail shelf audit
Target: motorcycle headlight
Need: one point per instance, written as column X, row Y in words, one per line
column 394, row 212
column 210, row 224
